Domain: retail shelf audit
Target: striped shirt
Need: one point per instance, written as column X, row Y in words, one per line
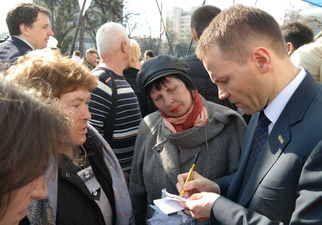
column 128, row 115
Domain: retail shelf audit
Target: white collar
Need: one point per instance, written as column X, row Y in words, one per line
column 24, row 41
column 275, row 108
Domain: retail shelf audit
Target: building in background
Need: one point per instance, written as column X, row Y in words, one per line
column 178, row 21
column 312, row 16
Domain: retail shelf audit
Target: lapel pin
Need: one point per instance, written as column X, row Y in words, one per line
column 280, row 138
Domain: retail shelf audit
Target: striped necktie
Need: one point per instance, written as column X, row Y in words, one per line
column 260, row 137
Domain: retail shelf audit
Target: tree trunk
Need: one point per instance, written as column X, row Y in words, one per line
column 81, row 36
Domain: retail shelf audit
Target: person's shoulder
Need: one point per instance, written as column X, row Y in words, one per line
column 8, row 43
column 191, row 58
column 152, row 120
column 130, row 72
column 84, row 61
column 4, row 43
column 94, row 136
column 10, row 50
column 197, row 69
column 217, row 107
column 18, row 43
column 102, row 71
column 219, row 111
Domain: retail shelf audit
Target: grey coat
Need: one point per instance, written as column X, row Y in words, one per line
column 157, row 161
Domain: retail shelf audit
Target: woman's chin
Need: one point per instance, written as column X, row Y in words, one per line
column 79, row 141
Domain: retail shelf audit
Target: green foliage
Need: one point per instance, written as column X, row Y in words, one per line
column 65, row 14
column 65, row 43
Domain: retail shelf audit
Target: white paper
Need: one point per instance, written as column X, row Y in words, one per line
column 169, row 203
column 168, row 206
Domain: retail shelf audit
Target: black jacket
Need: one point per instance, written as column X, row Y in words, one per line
column 12, row 48
column 75, row 204
column 146, row 106
column 201, row 80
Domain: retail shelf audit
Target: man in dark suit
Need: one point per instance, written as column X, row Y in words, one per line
column 244, row 52
column 29, row 27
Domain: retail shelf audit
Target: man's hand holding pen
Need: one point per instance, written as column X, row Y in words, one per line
column 197, row 192
column 197, row 184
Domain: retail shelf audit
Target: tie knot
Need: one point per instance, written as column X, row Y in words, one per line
column 263, row 121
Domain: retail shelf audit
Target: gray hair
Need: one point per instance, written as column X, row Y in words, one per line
column 109, row 36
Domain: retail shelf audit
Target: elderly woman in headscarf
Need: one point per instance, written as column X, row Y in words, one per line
column 169, row 139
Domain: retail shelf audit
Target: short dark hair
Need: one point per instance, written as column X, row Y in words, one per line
column 77, row 53
column 162, row 81
column 238, row 28
column 149, row 53
column 91, row 51
column 23, row 13
column 297, row 33
column 202, row 16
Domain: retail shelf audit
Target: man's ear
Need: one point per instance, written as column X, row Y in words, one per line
column 263, row 59
column 24, row 29
column 194, row 35
column 124, row 46
column 290, row 48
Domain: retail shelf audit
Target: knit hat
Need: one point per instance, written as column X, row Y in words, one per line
column 161, row 66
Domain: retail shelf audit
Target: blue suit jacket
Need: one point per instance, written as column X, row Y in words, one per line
column 286, row 183
column 12, row 48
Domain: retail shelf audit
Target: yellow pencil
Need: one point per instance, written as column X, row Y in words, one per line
column 190, row 173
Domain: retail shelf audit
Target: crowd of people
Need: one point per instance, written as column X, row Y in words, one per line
column 94, row 140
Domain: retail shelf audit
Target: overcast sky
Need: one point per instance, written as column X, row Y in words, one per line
column 149, row 14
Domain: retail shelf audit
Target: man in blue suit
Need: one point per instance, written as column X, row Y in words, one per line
column 29, row 27
column 244, row 52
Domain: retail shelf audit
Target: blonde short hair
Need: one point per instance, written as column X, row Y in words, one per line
column 136, row 53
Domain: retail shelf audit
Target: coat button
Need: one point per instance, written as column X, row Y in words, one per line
column 87, row 174
column 159, row 149
column 67, row 174
column 94, row 192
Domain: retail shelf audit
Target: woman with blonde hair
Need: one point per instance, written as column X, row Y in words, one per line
column 309, row 57
column 136, row 55
column 130, row 74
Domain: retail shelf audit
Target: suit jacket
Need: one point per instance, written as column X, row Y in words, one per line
column 12, row 48
column 286, row 183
